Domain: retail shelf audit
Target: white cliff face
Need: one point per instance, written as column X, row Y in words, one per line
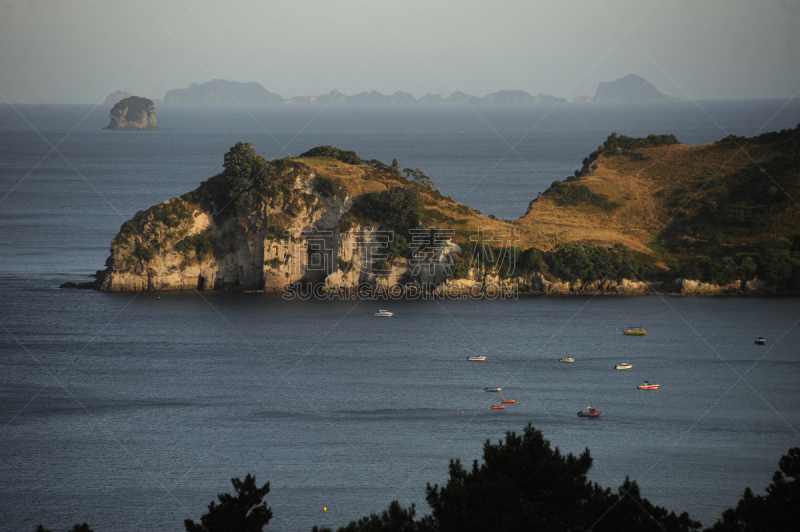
column 261, row 244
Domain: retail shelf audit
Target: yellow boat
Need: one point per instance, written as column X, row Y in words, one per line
column 635, row 331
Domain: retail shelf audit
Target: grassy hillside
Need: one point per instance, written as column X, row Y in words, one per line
column 641, row 209
column 683, row 208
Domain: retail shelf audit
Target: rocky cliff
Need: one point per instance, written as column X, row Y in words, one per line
column 334, row 222
column 133, row 113
column 294, row 227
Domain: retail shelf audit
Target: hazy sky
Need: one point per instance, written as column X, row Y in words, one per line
column 77, row 51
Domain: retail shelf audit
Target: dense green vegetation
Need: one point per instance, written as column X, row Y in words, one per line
column 349, row 157
column 777, row 511
column 710, row 233
column 143, row 252
column 418, row 176
column 623, row 145
column 243, row 512
column 570, row 194
column 525, row 484
column 745, row 203
column 777, row 261
column 201, row 244
column 76, row 528
column 567, row 262
column 587, row 262
column 398, row 210
column 325, row 186
column 170, row 214
column 345, row 156
column 244, row 171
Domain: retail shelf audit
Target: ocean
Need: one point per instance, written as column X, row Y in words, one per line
column 132, row 411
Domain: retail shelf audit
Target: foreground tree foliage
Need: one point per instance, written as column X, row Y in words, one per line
column 77, row 528
column 523, row 484
column 243, row 512
column 777, row 511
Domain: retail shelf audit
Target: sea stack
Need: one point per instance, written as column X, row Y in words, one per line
column 133, row 113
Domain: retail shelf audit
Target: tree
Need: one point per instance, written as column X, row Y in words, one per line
column 777, row 511
column 394, row 519
column 76, row 528
column 241, row 165
column 398, row 209
column 243, row 512
column 418, row 176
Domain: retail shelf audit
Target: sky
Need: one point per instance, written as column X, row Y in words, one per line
column 78, row 51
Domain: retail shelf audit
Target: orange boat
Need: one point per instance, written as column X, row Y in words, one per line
column 498, row 407
column 508, row 401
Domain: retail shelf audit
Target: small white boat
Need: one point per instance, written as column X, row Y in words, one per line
column 761, row 341
column 624, row 365
column 384, row 314
column 568, row 359
column 492, row 389
column 476, row 358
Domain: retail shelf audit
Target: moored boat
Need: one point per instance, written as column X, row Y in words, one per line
column 590, row 412
column 568, row 359
column 761, row 341
column 635, row 331
column 624, row 365
column 647, row 386
column 476, row 358
column 508, row 401
column 492, row 389
column 384, row 314
column 498, row 407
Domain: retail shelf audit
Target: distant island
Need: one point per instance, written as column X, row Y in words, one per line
column 316, row 220
column 133, row 112
column 222, row 92
column 631, row 88
column 115, row 97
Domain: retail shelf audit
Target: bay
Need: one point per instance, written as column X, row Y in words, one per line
column 133, row 411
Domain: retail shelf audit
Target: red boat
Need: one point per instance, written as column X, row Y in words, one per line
column 508, row 401
column 590, row 412
column 648, row 386
column 498, row 407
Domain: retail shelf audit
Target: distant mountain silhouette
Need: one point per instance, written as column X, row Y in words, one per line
column 631, row 88
column 222, row 92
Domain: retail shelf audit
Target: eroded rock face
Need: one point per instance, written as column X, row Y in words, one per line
column 265, row 244
column 133, row 113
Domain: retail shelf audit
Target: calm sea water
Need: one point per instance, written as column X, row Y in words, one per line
column 132, row 411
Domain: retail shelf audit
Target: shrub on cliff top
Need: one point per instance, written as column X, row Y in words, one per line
column 570, row 194
column 347, row 157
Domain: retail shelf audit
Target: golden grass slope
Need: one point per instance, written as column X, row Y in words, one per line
column 653, row 194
